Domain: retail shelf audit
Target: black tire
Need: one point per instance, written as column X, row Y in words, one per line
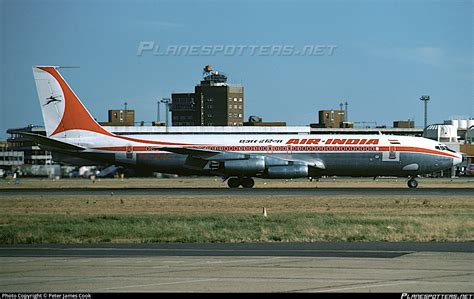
column 233, row 183
column 247, row 182
column 412, row 183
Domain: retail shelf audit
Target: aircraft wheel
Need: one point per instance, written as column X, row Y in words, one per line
column 247, row 182
column 233, row 183
column 412, row 183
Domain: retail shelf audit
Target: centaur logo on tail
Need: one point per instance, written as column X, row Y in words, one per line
column 51, row 99
column 239, row 158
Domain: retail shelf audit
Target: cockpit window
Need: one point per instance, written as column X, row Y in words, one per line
column 444, row 148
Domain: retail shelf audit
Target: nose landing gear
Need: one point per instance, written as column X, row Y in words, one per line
column 412, row 183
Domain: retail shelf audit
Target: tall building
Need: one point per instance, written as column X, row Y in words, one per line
column 183, row 109
column 213, row 103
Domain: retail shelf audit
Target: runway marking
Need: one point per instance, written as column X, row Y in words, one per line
column 364, row 286
column 263, row 259
column 158, row 284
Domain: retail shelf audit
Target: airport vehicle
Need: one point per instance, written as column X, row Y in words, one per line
column 469, row 170
column 238, row 158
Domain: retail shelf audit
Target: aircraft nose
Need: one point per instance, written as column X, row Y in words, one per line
column 457, row 160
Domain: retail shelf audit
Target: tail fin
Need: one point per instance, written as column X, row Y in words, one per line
column 62, row 110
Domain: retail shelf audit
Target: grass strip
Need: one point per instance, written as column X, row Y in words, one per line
column 234, row 227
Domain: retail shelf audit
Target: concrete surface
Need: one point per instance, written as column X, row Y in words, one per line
column 426, row 271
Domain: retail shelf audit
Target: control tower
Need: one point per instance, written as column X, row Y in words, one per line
column 215, row 102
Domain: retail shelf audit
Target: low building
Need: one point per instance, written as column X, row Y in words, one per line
column 462, row 126
column 404, row 124
column 442, row 133
column 257, row 121
column 120, row 118
column 266, row 124
column 331, row 118
column 10, row 157
column 32, row 153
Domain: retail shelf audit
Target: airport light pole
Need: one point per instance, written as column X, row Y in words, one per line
column 158, row 112
column 425, row 99
column 345, row 112
column 167, row 102
column 125, row 111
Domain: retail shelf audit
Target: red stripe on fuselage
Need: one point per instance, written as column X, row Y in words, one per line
column 327, row 149
column 421, row 150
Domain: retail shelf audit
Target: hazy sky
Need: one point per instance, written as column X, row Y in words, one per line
column 384, row 56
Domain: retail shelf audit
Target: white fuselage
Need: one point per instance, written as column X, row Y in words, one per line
column 358, row 155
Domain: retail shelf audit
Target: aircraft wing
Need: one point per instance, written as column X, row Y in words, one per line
column 221, row 156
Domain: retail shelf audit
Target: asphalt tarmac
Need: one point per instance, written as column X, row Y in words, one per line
column 339, row 249
column 270, row 267
column 238, row 192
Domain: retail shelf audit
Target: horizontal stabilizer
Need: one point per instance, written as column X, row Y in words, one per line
column 52, row 143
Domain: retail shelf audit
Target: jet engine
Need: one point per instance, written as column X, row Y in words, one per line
column 287, row 172
column 244, row 167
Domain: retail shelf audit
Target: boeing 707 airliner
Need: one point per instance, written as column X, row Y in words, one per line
column 238, row 158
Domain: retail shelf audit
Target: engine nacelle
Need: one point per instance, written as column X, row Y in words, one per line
column 270, row 162
column 241, row 167
column 287, row 172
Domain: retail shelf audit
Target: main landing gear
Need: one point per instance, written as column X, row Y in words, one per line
column 412, row 183
column 244, row 182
